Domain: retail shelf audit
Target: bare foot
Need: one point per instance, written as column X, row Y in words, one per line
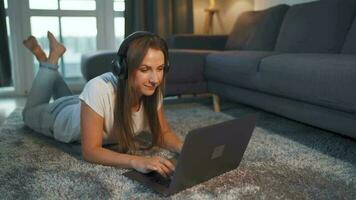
column 32, row 44
column 56, row 49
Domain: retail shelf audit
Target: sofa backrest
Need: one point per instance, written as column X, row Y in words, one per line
column 96, row 63
column 256, row 30
column 315, row 27
column 350, row 42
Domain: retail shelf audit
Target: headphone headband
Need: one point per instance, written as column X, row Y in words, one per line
column 126, row 42
column 119, row 64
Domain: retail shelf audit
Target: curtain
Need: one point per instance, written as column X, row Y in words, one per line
column 5, row 65
column 163, row 17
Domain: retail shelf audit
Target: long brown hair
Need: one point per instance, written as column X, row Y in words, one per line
column 126, row 95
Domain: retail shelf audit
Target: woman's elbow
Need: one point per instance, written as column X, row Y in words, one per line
column 88, row 155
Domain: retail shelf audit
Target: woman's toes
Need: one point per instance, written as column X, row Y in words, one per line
column 50, row 35
column 51, row 38
column 27, row 43
column 31, row 43
column 56, row 48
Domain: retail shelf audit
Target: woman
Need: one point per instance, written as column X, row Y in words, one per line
column 113, row 107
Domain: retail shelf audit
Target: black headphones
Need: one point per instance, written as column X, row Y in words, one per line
column 119, row 63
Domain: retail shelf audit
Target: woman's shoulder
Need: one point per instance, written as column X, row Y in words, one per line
column 98, row 92
column 103, row 81
column 109, row 78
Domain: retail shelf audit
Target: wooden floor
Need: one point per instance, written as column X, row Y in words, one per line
column 7, row 105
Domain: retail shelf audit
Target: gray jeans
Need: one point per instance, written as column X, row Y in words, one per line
column 39, row 113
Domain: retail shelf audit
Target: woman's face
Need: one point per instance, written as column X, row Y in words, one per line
column 148, row 76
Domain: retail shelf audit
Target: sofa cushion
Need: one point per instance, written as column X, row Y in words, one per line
column 315, row 27
column 256, row 30
column 186, row 65
column 96, row 63
column 321, row 79
column 186, row 75
column 350, row 42
column 195, row 41
column 237, row 68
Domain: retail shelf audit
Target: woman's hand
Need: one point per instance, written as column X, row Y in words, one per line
column 156, row 163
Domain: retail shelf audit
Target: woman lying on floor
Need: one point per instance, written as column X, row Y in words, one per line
column 97, row 117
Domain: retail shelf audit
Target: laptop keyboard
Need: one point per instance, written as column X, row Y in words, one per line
column 157, row 178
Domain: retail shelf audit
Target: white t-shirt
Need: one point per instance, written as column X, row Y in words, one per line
column 100, row 95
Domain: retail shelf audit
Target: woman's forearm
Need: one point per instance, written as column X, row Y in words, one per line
column 172, row 142
column 103, row 156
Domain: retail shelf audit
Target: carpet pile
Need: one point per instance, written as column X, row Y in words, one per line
column 284, row 160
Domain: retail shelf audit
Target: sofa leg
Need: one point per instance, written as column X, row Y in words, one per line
column 216, row 102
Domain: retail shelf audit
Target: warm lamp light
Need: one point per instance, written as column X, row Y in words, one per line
column 212, row 4
column 210, row 12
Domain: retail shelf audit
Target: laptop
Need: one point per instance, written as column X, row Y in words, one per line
column 207, row 152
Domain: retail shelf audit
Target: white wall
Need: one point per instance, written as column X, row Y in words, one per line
column 229, row 10
column 262, row 4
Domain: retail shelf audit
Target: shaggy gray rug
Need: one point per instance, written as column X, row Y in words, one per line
column 284, row 160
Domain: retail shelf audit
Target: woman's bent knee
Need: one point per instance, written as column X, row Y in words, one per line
column 29, row 120
column 38, row 119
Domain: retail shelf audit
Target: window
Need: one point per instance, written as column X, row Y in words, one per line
column 8, row 29
column 77, row 42
column 62, row 4
column 119, row 30
column 81, row 25
column 65, row 26
column 7, row 86
column 39, row 28
column 40, row 4
column 119, row 5
column 77, row 4
column 119, row 21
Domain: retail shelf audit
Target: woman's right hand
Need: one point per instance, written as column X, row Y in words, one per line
column 156, row 163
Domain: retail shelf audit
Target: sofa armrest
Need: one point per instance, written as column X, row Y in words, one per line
column 96, row 63
column 192, row 41
column 186, row 74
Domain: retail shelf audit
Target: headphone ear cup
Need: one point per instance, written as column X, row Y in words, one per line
column 115, row 66
column 119, row 69
column 123, row 70
column 166, row 68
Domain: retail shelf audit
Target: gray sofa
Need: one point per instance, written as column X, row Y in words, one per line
column 296, row 61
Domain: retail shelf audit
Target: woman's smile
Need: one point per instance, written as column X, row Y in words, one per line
column 150, row 87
